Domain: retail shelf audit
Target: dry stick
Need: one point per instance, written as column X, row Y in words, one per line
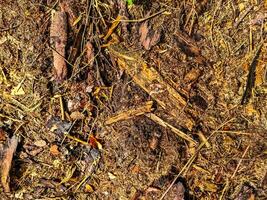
column 191, row 160
column 7, row 161
column 233, row 175
column 181, row 134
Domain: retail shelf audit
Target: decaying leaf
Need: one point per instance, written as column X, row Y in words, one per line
column 89, row 188
column 3, row 135
column 7, row 158
column 58, row 40
column 180, row 191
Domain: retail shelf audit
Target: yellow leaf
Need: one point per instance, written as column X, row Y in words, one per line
column 18, row 90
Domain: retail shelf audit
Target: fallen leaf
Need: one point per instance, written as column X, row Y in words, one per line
column 148, row 37
column 90, row 53
column 54, row 150
column 18, row 90
column 135, row 169
column 3, row 135
column 94, row 142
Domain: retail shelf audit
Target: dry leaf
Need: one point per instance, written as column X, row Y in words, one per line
column 66, row 7
column 94, row 142
column 3, row 135
column 18, row 90
column 135, row 169
column 111, row 176
column 54, row 150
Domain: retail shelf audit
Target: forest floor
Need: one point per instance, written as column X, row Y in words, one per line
column 119, row 99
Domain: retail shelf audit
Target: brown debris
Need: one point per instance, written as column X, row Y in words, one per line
column 247, row 193
column 180, row 191
column 148, row 37
column 58, row 40
column 154, row 84
column 2, row 135
column 7, row 158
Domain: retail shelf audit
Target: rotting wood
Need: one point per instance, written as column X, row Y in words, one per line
column 7, row 158
column 161, row 122
column 128, row 114
column 58, row 40
column 153, row 83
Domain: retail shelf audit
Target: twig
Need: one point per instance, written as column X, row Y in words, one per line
column 181, row 134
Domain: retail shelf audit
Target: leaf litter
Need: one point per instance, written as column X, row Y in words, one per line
column 133, row 100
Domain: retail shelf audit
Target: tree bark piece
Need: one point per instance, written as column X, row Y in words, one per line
column 7, row 162
column 58, row 40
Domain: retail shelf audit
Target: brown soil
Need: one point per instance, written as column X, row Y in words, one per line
column 198, row 67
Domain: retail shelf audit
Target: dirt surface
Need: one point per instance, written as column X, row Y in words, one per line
column 159, row 99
